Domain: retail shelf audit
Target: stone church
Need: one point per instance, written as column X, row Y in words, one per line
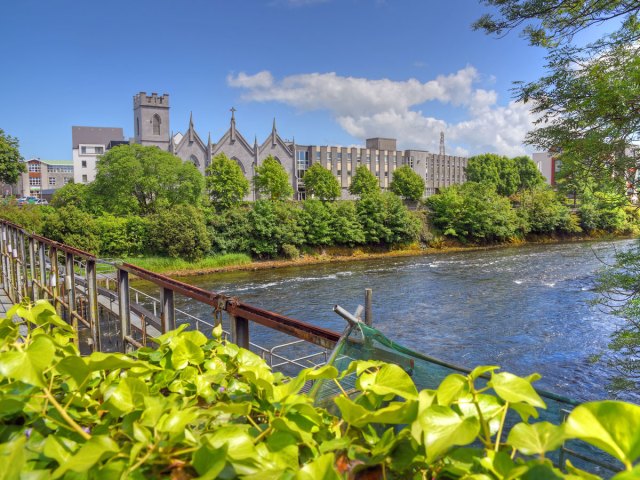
column 152, row 127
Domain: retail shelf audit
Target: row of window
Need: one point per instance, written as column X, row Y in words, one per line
column 84, row 150
column 36, row 181
column 36, row 168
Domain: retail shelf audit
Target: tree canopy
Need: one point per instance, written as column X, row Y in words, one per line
column 363, row 182
column 507, row 175
column 272, row 180
column 140, row 179
column 407, row 184
column 225, row 182
column 320, row 183
column 11, row 165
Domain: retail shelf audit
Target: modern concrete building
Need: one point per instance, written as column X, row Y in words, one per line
column 44, row 177
column 548, row 164
column 88, row 143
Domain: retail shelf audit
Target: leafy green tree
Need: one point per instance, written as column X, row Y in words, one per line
column 11, row 165
column 274, row 224
column 122, row 236
column 496, row 170
column 474, row 212
column 72, row 194
column 272, row 180
column 364, row 182
column 371, row 215
column 587, row 100
column 407, row 184
column 72, row 226
column 345, row 226
column 179, row 232
column 545, row 213
column 320, row 183
column 528, row 174
column 231, row 230
column 225, row 182
column 316, row 222
column 404, row 228
column 140, row 179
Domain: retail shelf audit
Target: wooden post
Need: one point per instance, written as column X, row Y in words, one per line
column 368, row 307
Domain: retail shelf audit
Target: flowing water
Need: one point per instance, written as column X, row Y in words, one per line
column 526, row 309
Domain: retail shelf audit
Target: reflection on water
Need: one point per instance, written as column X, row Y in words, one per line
column 525, row 308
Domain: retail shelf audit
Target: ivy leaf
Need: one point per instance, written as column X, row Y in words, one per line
column 209, row 462
column 127, row 396
column 322, row 468
column 12, row 457
column 92, row 452
column 443, row 428
column 481, row 370
column 451, row 388
column 184, row 352
column 612, row 426
column 28, row 366
column 537, row 438
column 514, row 389
column 392, row 379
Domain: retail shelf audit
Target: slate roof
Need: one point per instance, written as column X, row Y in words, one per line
column 95, row 135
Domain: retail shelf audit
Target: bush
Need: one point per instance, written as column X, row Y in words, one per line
column 316, row 223
column 72, row 226
column 345, row 225
column 230, row 230
column 179, row 232
column 272, row 225
column 290, row 251
column 544, row 212
column 30, row 217
column 122, row 236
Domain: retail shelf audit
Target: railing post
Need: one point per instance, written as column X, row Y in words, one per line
column 239, row 331
column 168, row 312
column 16, row 265
column 42, row 267
column 70, row 285
column 124, row 304
column 10, row 264
column 53, row 278
column 92, row 312
column 32, row 267
column 22, row 254
column 368, row 307
column 5, row 262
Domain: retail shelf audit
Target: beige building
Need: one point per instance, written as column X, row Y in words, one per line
column 44, row 177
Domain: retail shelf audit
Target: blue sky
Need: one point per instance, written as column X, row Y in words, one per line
column 330, row 71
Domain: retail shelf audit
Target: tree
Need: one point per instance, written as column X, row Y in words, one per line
column 139, row 179
column 75, row 194
column 11, row 165
column 496, row 170
column 179, row 232
column 528, row 174
column 225, row 182
column 272, row 180
column 587, row 101
column 364, row 182
column 407, row 184
column 320, row 183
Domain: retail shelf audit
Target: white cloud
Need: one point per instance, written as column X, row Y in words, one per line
column 367, row 108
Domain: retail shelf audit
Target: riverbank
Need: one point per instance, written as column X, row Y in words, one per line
column 242, row 262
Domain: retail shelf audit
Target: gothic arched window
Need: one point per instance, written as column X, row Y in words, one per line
column 195, row 161
column 277, row 160
column 138, row 126
column 156, row 124
column 239, row 164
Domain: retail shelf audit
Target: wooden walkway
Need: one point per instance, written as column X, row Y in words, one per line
column 5, row 303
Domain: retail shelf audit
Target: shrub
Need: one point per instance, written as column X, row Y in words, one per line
column 290, row 251
column 72, row 226
column 179, row 231
column 345, row 225
column 272, row 225
column 122, row 236
column 230, row 230
column 315, row 220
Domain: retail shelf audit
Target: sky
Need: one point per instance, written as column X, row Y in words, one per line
column 332, row 72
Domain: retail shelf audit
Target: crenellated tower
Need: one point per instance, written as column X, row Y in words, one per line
column 151, row 120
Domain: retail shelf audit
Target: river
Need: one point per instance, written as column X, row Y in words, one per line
column 526, row 308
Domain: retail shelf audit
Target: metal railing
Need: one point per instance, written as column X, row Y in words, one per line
column 107, row 311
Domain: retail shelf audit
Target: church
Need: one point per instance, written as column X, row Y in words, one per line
column 152, row 127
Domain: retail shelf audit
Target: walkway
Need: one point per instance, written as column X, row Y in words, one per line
column 5, row 303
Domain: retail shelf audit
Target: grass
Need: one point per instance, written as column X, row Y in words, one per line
column 168, row 264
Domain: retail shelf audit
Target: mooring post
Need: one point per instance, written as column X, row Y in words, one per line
column 368, row 307
column 240, row 331
column 124, row 304
column 168, row 312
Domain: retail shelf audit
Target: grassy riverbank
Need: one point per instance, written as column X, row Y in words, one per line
column 233, row 262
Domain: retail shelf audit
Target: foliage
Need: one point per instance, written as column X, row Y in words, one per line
column 604, row 211
column 407, row 184
column 71, row 194
column 345, row 226
column 179, row 232
column 274, row 224
column 168, row 264
column 544, row 213
column 231, row 230
column 272, row 180
column 385, row 219
column 30, row 217
column 528, row 174
column 364, row 182
column 225, row 182
column 371, row 216
column 316, row 220
column 586, row 103
column 143, row 180
column 72, row 226
column 474, row 211
column 122, row 236
column 320, row 183
column 495, row 170
column 203, row 407
column 11, row 165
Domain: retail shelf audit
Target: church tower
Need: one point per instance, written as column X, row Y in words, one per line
column 151, row 120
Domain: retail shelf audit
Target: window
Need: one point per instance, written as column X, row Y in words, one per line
column 329, row 165
column 359, row 160
column 59, row 169
column 52, row 181
column 328, row 156
column 83, row 150
column 349, row 156
column 156, row 124
column 193, row 159
column 302, row 162
column 318, row 155
column 34, row 167
column 66, row 180
column 377, row 158
column 84, row 179
column 339, row 156
column 137, row 126
column 99, row 150
column 34, row 181
column 368, row 158
column 84, row 164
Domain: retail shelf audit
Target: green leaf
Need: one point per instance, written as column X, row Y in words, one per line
column 92, row 452
column 12, row 458
column 451, row 388
column 322, row 468
column 610, row 425
column 184, row 352
column 537, row 438
column 632, row 474
column 390, row 379
column 481, row 370
column 209, row 462
column 443, row 428
column 127, row 396
column 28, row 366
column 514, row 389
column 576, row 472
